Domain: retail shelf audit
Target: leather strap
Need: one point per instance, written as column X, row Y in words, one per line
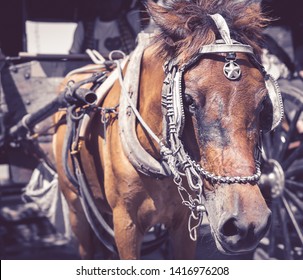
column 132, row 148
column 223, row 48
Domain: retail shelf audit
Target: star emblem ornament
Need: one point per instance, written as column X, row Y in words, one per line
column 232, row 70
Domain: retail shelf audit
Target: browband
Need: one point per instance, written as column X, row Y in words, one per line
column 226, row 48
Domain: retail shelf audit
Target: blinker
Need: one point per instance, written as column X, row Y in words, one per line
column 231, row 69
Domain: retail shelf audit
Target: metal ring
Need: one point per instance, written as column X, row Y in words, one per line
column 110, row 56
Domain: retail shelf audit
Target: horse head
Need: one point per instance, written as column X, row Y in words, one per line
column 212, row 53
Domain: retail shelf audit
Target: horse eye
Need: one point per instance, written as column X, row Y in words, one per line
column 188, row 100
column 264, row 102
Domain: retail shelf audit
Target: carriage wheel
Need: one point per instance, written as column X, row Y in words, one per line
column 282, row 180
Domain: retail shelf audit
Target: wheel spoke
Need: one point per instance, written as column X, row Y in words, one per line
column 294, row 185
column 294, row 121
column 298, row 137
column 272, row 231
column 288, row 136
column 283, row 220
column 296, row 201
column 293, row 219
column 278, row 144
column 297, row 171
column 293, row 156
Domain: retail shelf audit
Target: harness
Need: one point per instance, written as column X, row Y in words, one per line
column 77, row 124
column 175, row 160
column 172, row 149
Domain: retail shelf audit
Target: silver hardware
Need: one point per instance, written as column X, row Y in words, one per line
column 232, row 70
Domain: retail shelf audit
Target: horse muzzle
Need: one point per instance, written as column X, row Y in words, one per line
column 236, row 236
column 240, row 219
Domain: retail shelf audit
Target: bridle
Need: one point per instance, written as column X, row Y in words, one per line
column 174, row 153
column 172, row 102
column 171, row 147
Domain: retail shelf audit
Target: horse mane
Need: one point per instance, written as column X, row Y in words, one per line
column 185, row 25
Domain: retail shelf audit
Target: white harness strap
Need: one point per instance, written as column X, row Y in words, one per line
column 132, row 148
column 101, row 92
column 218, row 48
column 222, row 28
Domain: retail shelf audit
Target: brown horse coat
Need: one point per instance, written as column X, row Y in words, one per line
column 221, row 136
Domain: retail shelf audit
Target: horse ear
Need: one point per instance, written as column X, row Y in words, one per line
column 168, row 21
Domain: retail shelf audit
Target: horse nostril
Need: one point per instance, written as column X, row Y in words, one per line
column 230, row 227
column 239, row 233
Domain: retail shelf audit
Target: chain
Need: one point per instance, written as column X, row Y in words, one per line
column 194, row 204
column 176, row 157
column 228, row 179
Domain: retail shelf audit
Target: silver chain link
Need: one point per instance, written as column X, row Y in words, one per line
column 228, row 179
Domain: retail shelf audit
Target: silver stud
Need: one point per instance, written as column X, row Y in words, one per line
column 232, row 70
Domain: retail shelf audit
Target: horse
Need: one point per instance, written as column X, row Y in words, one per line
column 203, row 102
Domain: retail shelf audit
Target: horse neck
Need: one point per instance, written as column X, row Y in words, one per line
column 151, row 81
